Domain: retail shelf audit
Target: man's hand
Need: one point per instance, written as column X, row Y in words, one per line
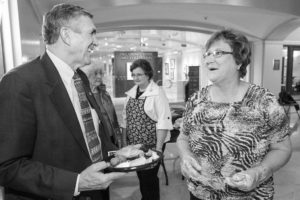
column 93, row 179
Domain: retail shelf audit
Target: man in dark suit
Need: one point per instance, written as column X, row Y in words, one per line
column 44, row 153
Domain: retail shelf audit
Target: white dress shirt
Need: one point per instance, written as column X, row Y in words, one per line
column 66, row 73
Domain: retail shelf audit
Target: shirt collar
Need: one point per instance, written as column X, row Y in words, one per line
column 64, row 70
column 151, row 90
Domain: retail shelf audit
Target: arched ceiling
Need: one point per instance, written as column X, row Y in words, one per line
column 259, row 19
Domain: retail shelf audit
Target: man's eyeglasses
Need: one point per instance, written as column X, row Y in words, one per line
column 137, row 75
column 216, row 53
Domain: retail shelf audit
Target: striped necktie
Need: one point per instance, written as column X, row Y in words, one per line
column 92, row 139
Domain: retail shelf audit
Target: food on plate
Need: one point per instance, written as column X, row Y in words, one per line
column 154, row 155
column 123, row 165
column 139, row 161
column 130, row 151
column 133, row 156
column 143, row 159
column 117, row 160
column 148, row 153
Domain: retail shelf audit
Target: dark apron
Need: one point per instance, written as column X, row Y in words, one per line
column 141, row 129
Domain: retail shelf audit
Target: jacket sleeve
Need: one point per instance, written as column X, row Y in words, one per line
column 18, row 133
column 162, row 110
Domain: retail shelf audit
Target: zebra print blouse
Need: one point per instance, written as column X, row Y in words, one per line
column 230, row 137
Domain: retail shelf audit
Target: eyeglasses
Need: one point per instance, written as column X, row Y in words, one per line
column 99, row 74
column 216, row 53
column 137, row 75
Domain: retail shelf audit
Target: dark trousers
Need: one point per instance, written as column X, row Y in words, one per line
column 93, row 195
column 149, row 183
column 192, row 197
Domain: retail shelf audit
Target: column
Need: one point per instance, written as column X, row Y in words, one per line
column 10, row 32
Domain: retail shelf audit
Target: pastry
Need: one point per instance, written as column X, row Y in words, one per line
column 117, row 160
column 130, row 151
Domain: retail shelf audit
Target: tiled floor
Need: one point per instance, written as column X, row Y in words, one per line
column 287, row 179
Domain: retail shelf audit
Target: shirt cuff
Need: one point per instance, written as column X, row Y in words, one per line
column 76, row 192
column 164, row 124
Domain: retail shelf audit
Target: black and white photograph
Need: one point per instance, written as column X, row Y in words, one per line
column 149, row 100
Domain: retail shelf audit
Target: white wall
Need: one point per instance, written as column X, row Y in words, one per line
column 184, row 59
column 191, row 58
column 272, row 78
column 255, row 70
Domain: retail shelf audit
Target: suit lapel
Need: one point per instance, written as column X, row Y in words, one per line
column 60, row 98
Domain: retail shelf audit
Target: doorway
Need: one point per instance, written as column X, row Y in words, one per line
column 291, row 70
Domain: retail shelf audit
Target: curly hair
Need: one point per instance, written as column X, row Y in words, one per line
column 239, row 44
column 144, row 65
column 58, row 17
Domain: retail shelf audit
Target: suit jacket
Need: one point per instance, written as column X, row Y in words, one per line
column 42, row 148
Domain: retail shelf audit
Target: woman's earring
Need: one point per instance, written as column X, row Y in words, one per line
column 238, row 68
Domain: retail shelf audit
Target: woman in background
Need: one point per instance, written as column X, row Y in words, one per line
column 234, row 135
column 146, row 120
column 95, row 74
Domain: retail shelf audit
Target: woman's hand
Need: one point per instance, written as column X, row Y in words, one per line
column 190, row 167
column 249, row 179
